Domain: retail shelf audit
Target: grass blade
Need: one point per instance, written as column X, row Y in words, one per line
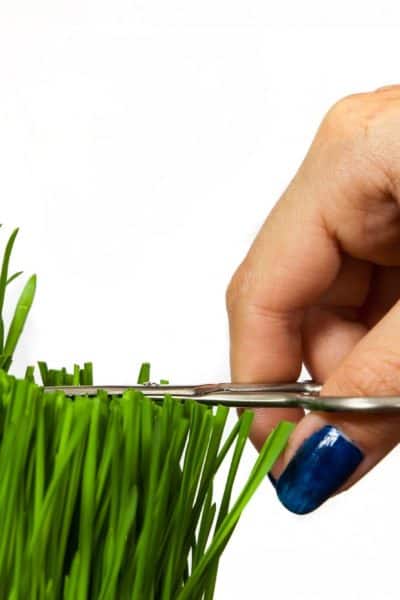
column 18, row 321
column 3, row 281
column 13, row 277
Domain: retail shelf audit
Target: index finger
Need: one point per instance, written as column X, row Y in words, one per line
column 291, row 262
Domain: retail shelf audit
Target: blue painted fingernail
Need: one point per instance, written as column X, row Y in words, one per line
column 320, row 466
column 272, row 479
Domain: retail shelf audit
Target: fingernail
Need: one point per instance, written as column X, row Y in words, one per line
column 272, row 479
column 320, row 466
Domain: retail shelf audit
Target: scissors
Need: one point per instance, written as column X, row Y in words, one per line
column 305, row 394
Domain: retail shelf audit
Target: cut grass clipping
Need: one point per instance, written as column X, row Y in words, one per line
column 9, row 342
column 107, row 498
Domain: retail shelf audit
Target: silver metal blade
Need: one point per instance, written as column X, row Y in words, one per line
column 284, row 395
column 155, row 390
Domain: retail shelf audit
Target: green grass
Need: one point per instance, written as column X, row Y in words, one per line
column 112, row 498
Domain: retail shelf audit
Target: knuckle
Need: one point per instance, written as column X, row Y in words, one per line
column 394, row 87
column 360, row 131
column 233, row 290
column 346, row 113
column 245, row 285
column 357, row 114
column 238, row 287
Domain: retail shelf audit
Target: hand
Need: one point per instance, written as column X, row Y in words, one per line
column 320, row 285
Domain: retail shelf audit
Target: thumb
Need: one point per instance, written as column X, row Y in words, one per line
column 329, row 452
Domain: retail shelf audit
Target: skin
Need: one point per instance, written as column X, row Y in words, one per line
column 320, row 284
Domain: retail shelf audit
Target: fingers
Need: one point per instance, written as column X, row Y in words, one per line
column 342, row 202
column 329, row 452
column 331, row 329
column 329, row 334
column 266, row 300
column 353, row 168
column 339, row 193
column 355, row 302
column 384, row 293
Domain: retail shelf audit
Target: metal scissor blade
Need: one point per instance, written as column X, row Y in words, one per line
column 285, row 395
column 202, row 391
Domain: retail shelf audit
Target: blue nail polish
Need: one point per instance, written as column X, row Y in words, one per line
column 320, row 466
column 272, row 479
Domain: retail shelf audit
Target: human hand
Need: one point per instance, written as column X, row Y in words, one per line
column 320, row 285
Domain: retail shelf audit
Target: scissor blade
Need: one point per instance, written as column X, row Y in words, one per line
column 151, row 390
column 224, row 394
column 205, row 394
column 298, row 394
column 155, row 390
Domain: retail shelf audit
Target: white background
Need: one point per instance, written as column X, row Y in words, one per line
column 142, row 144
